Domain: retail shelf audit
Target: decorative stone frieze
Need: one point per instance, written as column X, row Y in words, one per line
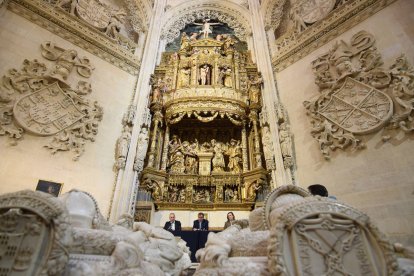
column 309, row 31
column 76, row 31
column 188, row 14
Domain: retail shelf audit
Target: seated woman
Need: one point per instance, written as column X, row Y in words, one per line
column 230, row 220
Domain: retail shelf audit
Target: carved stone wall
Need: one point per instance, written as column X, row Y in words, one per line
column 24, row 164
column 377, row 178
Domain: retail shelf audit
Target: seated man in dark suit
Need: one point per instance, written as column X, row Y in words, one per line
column 172, row 225
column 200, row 223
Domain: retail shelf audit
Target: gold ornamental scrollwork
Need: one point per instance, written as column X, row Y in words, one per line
column 204, row 154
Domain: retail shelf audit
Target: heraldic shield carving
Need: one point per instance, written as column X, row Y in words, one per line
column 358, row 95
column 44, row 101
column 326, row 237
column 46, row 111
column 94, row 12
column 358, row 108
column 21, row 236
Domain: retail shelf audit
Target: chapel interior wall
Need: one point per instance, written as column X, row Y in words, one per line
column 21, row 166
column 378, row 179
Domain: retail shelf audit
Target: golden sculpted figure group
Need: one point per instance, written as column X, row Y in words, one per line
column 204, row 149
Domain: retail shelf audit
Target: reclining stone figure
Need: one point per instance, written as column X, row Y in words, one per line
column 298, row 234
column 69, row 236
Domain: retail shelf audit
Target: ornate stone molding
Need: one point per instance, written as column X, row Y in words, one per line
column 77, row 32
column 235, row 18
column 273, row 13
column 338, row 21
column 139, row 13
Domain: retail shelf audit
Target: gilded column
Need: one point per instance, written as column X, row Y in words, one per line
column 244, row 149
column 156, row 120
column 257, row 154
column 165, row 149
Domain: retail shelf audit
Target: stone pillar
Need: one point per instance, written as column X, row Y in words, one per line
column 123, row 200
column 272, row 41
column 165, row 148
column 269, row 91
column 244, row 149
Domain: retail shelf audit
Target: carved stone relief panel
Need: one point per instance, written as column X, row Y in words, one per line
column 310, row 23
column 359, row 96
column 40, row 101
column 109, row 19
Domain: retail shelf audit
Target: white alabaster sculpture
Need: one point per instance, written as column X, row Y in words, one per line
column 295, row 233
column 144, row 249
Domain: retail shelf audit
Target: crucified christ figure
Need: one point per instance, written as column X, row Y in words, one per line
column 206, row 29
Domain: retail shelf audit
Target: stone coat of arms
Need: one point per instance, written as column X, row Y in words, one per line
column 41, row 101
column 358, row 96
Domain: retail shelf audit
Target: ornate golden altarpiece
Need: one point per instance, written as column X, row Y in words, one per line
column 205, row 151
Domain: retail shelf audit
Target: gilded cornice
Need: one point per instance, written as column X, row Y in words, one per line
column 77, row 32
column 336, row 23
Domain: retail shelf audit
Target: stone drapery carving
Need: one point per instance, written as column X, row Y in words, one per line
column 303, row 36
column 358, row 96
column 41, row 102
